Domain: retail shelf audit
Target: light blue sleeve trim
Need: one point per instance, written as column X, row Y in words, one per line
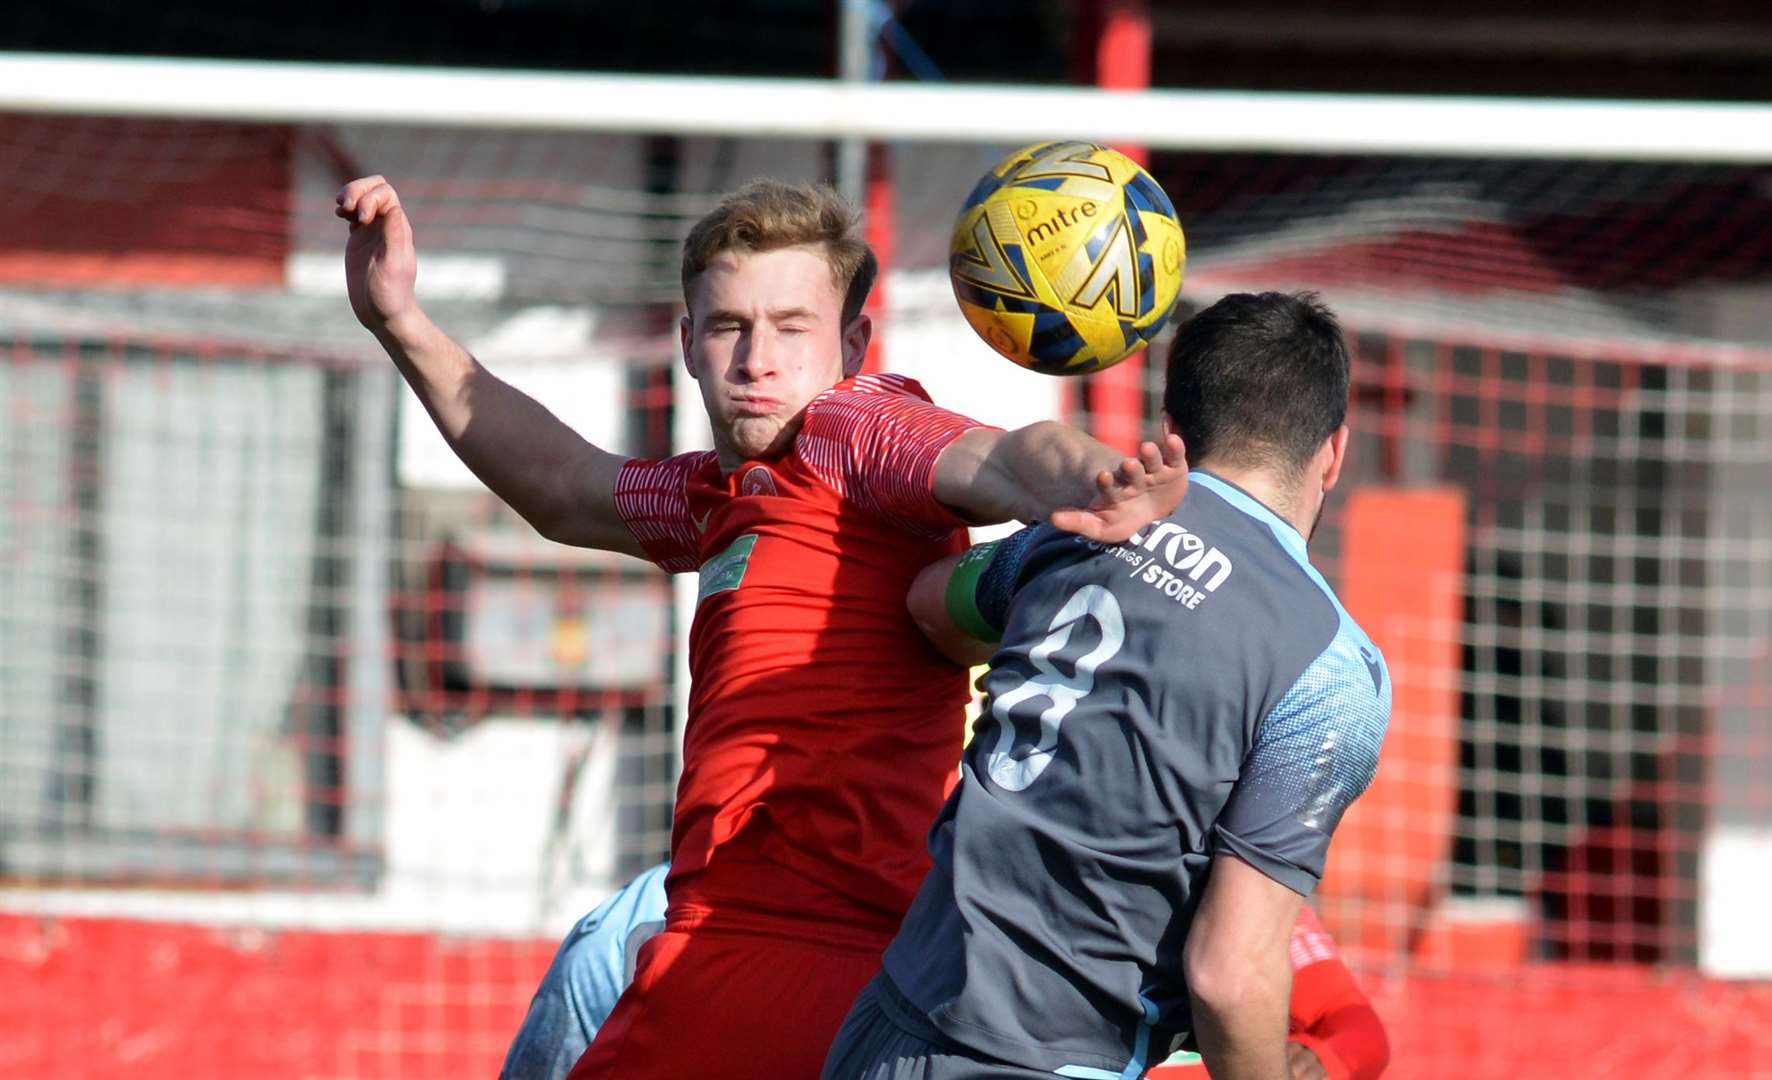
column 1141, row 1045
column 1141, row 1051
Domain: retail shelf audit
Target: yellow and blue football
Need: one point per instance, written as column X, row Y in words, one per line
column 1067, row 257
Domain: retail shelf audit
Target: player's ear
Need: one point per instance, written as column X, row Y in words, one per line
column 686, row 332
column 1334, row 455
column 856, row 336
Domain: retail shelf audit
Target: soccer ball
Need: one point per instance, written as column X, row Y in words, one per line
column 1067, row 257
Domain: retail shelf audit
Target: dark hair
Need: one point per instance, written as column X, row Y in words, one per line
column 1258, row 380
column 765, row 215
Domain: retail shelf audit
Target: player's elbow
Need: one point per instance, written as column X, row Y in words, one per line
column 1222, row 980
column 927, row 604
column 557, row 524
column 1214, row 989
column 573, row 502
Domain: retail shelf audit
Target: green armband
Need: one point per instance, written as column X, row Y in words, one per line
column 961, row 597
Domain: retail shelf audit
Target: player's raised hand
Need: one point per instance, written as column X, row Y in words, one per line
column 1140, row 490
column 381, row 265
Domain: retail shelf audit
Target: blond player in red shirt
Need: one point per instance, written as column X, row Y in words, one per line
column 822, row 728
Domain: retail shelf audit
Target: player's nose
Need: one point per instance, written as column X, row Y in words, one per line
column 756, row 357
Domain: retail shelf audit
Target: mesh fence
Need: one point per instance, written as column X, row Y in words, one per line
column 299, row 722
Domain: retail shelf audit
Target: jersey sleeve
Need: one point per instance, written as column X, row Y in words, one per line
column 1312, row 756
column 652, row 497
column 875, row 440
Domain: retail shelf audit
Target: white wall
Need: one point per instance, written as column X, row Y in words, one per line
column 467, row 844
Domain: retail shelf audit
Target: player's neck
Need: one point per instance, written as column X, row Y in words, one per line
column 1278, row 493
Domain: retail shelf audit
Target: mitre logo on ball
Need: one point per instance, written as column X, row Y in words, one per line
column 1067, row 257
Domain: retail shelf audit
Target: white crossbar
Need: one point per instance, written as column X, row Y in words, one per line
column 808, row 109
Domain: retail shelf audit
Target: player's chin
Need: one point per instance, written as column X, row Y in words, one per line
column 756, row 437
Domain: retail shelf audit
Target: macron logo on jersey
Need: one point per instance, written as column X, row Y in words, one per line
column 1173, row 561
column 1181, row 552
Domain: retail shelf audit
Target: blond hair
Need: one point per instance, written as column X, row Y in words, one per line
column 766, row 215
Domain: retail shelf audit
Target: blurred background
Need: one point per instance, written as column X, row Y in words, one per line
column 310, row 751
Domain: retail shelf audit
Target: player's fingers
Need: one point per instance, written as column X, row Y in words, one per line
column 1151, row 457
column 380, row 201
column 348, row 195
column 1081, row 522
column 360, row 208
column 1107, row 525
column 372, row 201
column 1174, row 451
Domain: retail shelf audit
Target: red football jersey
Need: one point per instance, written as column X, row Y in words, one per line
column 817, row 711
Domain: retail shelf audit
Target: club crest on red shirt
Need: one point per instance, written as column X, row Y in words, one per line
column 757, row 480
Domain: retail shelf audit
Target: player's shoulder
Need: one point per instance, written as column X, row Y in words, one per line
column 858, row 409
column 1330, row 668
column 1225, row 556
column 1243, row 525
column 652, row 494
column 643, row 473
column 1331, row 722
column 1210, row 559
column 1250, row 528
column 1345, row 690
column 872, row 389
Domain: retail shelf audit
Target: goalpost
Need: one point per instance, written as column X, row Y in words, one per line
column 283, row 689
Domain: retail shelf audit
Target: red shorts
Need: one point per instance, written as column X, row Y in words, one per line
column 751, row 977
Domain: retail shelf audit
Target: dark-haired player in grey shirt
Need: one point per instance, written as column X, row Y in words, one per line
column 1173, row 728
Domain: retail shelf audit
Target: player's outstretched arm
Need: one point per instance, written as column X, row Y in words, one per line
column 1239, row 975
column 560, row 483
column 1052, row 472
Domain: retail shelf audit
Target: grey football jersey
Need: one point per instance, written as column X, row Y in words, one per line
column 1195, row 690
